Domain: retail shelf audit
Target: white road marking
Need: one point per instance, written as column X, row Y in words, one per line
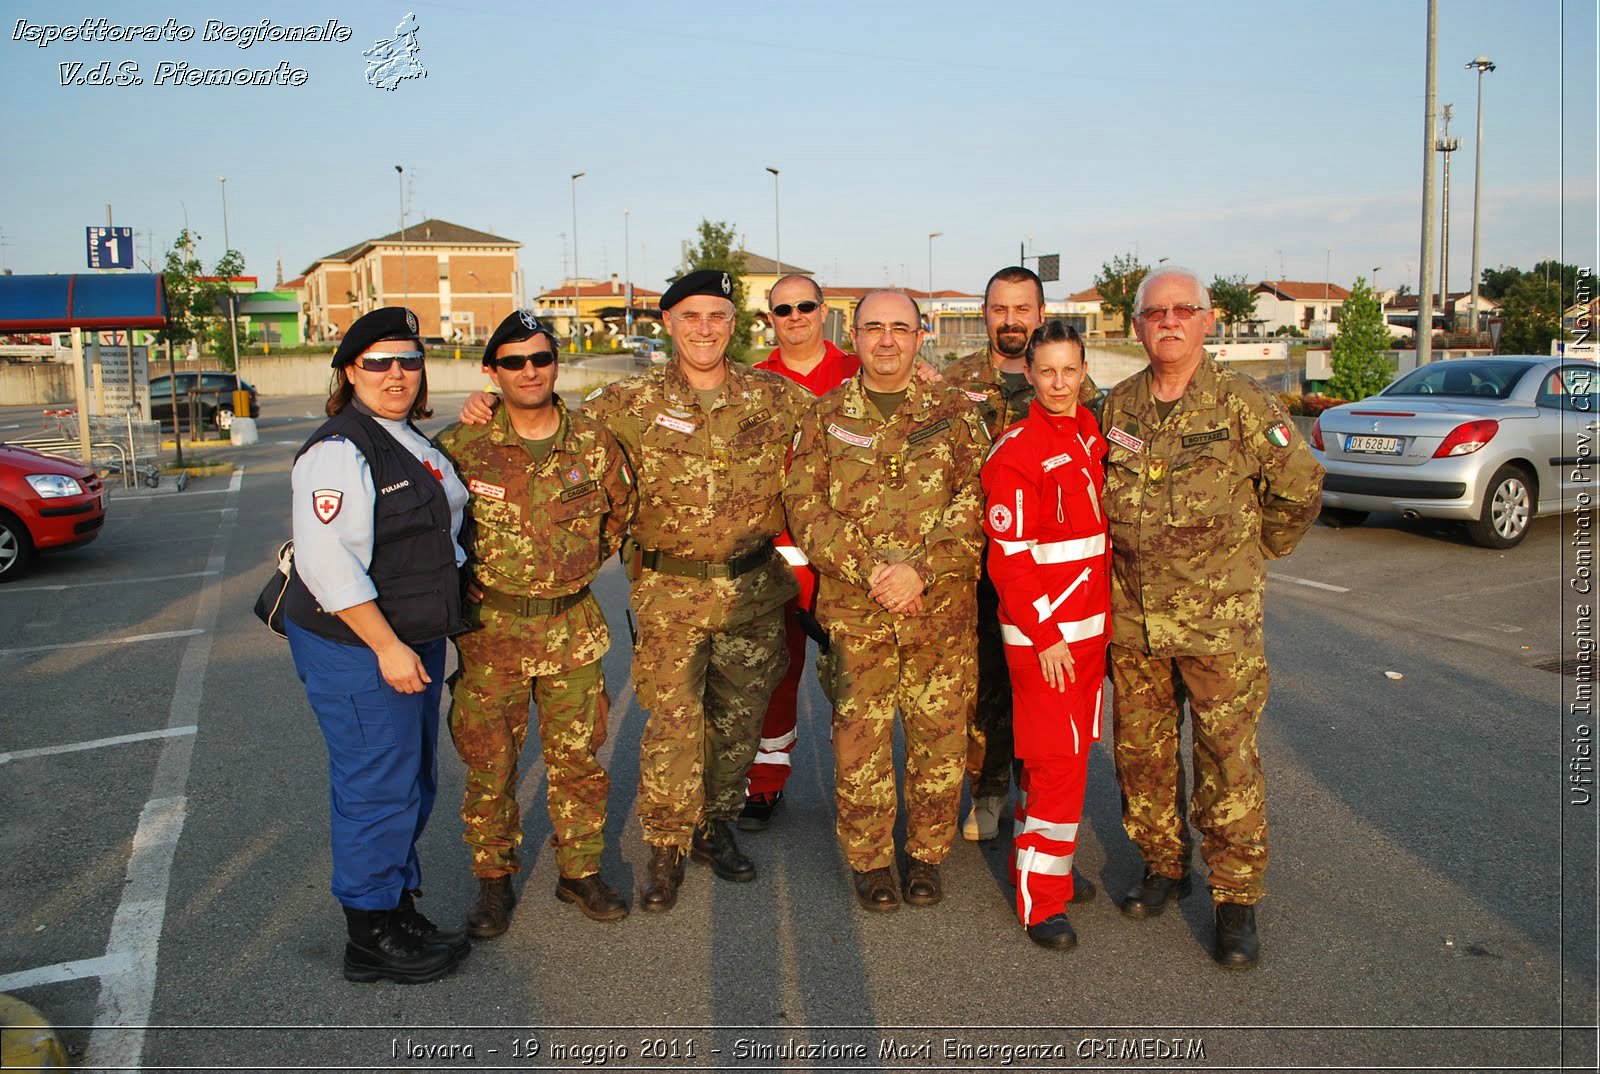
column 96, row 743
column 61, row 971
column 10, row 426
column 1309, row 582
column 106, row 582
column 159, row 636
column 237, row 480
column 127, row 993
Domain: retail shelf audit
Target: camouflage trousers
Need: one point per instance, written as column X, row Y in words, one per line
column 489, row 723
column 990, row 745
column 869, row 675
column 1226, row 694
column 707, row 691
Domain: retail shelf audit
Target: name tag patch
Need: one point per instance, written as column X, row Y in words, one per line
column 483, row 488
column 976, row 397
column 1057, row 460
column 396, row 487
column 1126, row 439
column 849, row 437
column 754, row 419
column 931, row 431
column 578, row 490
column 677, row 425
column 1210, row 436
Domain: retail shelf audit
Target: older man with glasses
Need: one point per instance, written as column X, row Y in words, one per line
column 805, row 356
column 884, row 497
column 1206, row 480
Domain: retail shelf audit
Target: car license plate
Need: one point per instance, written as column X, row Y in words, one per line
column 1372, row 445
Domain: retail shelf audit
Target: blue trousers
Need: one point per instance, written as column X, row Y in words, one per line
column 383, row 764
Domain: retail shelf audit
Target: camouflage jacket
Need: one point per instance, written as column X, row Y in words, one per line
column 976, row 375
column 1197, row 504
column 864, row 491
column 710, row 484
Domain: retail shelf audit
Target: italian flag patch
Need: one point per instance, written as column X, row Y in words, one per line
column 1278, row 435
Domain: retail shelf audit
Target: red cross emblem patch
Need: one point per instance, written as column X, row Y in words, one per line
column 434, row 470
column 326, row 504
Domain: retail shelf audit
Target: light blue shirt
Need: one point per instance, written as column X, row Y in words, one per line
column 332, row 514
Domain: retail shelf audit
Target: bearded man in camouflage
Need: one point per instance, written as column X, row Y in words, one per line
column 884, row 498
column 551, row 498
column 1206, row 480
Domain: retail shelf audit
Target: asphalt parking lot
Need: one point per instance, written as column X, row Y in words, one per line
column 1431, row 899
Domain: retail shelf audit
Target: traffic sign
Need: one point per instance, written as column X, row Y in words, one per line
column 109, row 247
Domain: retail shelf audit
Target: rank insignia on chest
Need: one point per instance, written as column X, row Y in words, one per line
column 1157, row 470
column 1125, row 438
column 892, row 467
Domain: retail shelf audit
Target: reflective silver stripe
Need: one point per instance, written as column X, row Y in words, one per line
column 1099, row 703
column 1011, row 548
column 1012, row 636
column 1022, row 883
column 1084, row 629
column 782, row 742
column 1070, row 551
column 792, row 555
column 1047, row 864
column 772, row 758
column 1060, row 832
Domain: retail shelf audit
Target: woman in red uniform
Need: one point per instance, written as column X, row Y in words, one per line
column 1050, row 561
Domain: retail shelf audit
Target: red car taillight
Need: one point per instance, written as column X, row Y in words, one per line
column 1316, row 435
column 1466, row 438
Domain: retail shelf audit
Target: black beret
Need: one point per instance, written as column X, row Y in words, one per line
column 390, row 322
column 702, row 281
column 520, row 325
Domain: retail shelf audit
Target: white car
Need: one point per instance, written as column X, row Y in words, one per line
column 1492, row 442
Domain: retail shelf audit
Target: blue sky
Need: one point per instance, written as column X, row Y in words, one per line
column 1233, row 137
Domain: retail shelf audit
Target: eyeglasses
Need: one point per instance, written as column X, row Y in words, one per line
column 715, row 320
column 784, row 309
column 380, row 361
column 898, row 329
column 1157, row 314
column 513, row 362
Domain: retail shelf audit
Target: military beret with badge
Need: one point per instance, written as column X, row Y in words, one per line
column 712, row 282
column 390, row 322
column 519, row 326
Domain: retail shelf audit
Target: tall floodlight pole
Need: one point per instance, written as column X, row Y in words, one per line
column 931, row 236
column 1425, row 263
column 1481, row 65
column 777, row 222
column 233, row 327
column 577, row 325
column 405, row 279
column 1446, row 145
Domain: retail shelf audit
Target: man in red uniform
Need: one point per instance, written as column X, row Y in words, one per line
column 1050, row 562
column 805, row 357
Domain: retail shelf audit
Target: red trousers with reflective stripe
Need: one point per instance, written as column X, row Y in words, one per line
column 767, row 774
column 1054, row 731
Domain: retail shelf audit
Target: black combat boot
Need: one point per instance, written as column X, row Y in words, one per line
column 1054, row 932
column 491, row 914
column 1151, row 894
column 1237, row 946
column 666, row 873
column 379, row 949
column 416, row 923
column 714, row 845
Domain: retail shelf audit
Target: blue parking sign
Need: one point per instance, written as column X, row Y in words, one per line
column 110, row 247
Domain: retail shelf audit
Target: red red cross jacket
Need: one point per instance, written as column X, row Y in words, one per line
column 1048, row 552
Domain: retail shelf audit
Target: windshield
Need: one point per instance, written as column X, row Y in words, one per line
column 1461, row 377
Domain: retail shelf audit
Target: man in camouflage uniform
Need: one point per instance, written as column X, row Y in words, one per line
column 708, row 439
column 993, row 378
column 884, row 497
column 551, row 497
column 1205, row 481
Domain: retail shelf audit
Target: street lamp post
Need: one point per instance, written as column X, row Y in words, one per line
column 405, row 279
column 577, row 324
column 627, row 280
column 931, row 236
column 1481, row 65
column 777, row 223
column 233, row 327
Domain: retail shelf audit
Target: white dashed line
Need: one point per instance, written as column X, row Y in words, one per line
column 106, row 582
column 1309, row 582
column 61, row 971
column 96, row 743
column 161, row 636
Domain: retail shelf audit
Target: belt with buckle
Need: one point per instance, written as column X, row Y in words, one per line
column 512, row 604
column 694, row 568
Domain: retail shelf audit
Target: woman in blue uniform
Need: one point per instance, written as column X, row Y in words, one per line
column 375, row 593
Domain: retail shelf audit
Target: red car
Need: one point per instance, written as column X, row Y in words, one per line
column 46, row 503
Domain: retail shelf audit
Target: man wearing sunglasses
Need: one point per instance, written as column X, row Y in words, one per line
column 1205, row 481
column 551, row 497
column 806, row 357
column 994, row 379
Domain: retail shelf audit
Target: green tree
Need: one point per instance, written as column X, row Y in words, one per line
column 1495, row 282
column 1564, row 274
column 716, row 250
column 1532, row 309
column 194, row 303
column 1360, row 350
column 1118, row 283
column 1233, row 301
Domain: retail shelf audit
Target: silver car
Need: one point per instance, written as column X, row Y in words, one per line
column 1490, row 441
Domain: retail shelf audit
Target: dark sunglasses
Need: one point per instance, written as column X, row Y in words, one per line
column 513, row 362
column 804, row 307
column 379, row 362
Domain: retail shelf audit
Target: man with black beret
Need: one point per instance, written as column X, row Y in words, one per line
column 708, row 440
column 551, row 498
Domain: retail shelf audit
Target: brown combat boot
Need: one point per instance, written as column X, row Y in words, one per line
column 665, row 874
column 491, row 914
column 596, row 898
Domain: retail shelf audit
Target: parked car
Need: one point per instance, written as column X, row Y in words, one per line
column 216, row 397
column 46, row 503
column 1492, row 442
